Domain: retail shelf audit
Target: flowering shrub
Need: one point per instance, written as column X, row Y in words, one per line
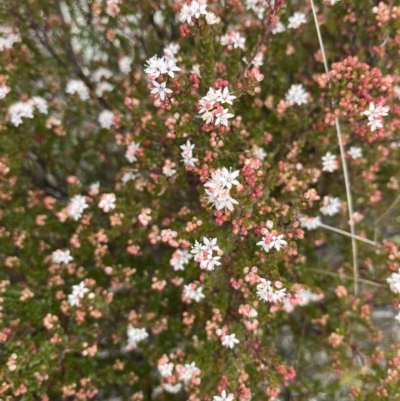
column 199, row 200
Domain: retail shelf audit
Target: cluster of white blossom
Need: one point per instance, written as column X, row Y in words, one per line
column 21, row 109
column 160, row 66
column 271, row 239
column 78, row 292
column 135, row 336
column 224, row 397
column 229, row 340
column 76, row 86
column 204, row 253
column 8, row 38
column 194, row 292
column 102, row 86
column 187, row 154
column 233, row 38
column 269, row 292
column 375, row 114
column 296, row 95
column 130, row 154
column 355, row 152
column 330, row 206
column 60, row 256
column 124, row 64
column 329, row 163
column 310, row 223
column 179, row 259
column 211, row 109
column 129, row 175
column 4, row 89
column 296, row 20
column 106, row 119
column 107, row 202
column 394, row 282
column 197, row 8
column 218, row 188
column 76, row 206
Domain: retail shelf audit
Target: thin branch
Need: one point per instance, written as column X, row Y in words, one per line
column 344, row 163
column 345, row 276
column 337, row 230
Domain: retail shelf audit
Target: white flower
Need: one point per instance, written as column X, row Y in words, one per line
column 160, row 90
column 169, row 68
column 259, row 152
column 224, row 397
column 222, row 118
column 4, row 89
column 40, row 104
column 230, row 341
column 198, row 8
column 187, row 154
column 238, row 41
column 394, row 282
column 60, row 256
column 168, row 169
column 218, row 188
column 8, row 38
column 271, row 239
column 20, row 110
column 375, row 114
column 172, row 388
column 179, row 259
column 267, row 293
column 186, row 14
column 76, row 206
column 107, row 202
column 166, row 369
column 331, row 2
column 124, row 64
column 211, row 19
column 225, row 97
column 189, row 370
column 135, row 335
column 279, row 28
column 331, row 206
column 329, row 163
column 310, row 223
column 73, row 299
column 154, row 67
column 203, row 253
column 306, row 297
column 170, row 50
column 106, row 119
column 131, row 151
column 101, row 73
column 196, row 294
column 296, row 95
column 355, row 152
column 129, row 176
column 297, row 19
column 79, row 290
column 75, row 86
column 103, row 87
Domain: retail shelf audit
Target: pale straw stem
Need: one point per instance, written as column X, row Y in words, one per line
column 344, row 163
column 357, row 237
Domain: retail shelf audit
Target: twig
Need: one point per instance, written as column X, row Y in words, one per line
column 345, row 276
column 337, row 230
column 344, row 163
column 384, row 214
